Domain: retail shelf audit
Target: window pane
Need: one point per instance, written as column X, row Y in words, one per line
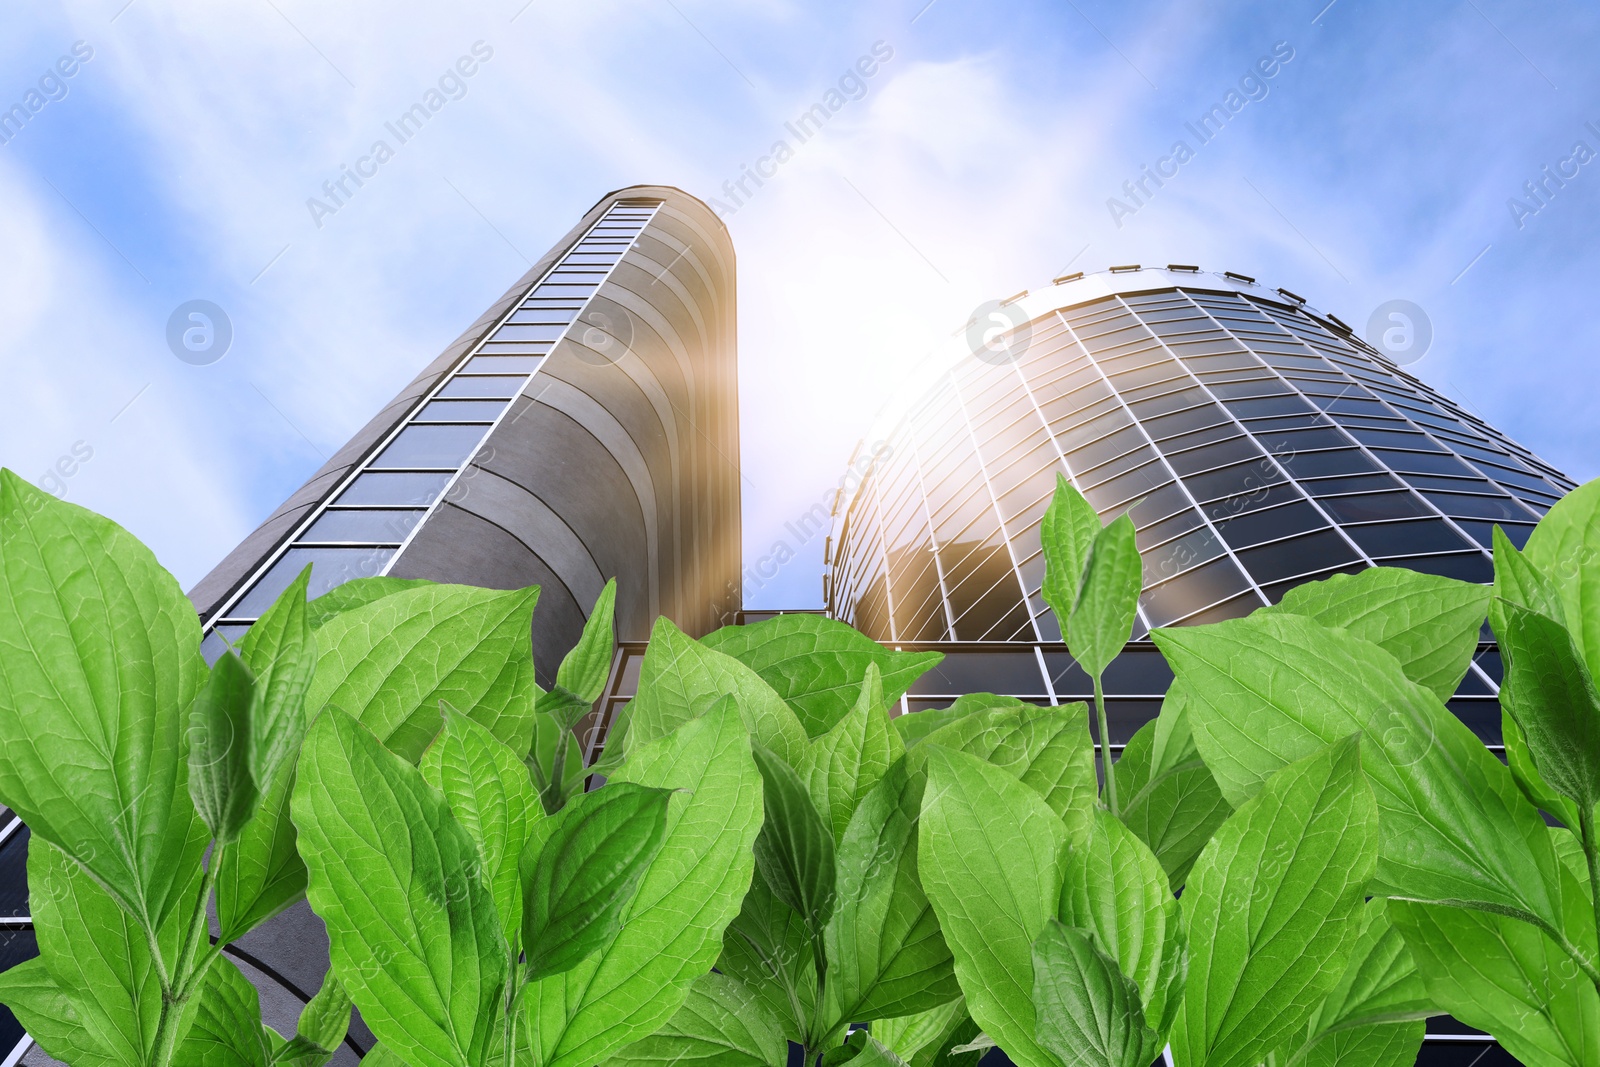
column 525, row 331
column 1360, row 483
column 364, row 526
column 1240, row 479
column 431, row 446
column 1269, row 525
column 1424, row 462
column 502, row 365
column 1300, row 555
column 1478, row 507
column 1220, row 454
column 329, row 567
column 416, row 489
column 1373, row 506
column 1407, row 538
column 461, row 411
column 467, row 388
column 1210, row 584
column 1323, row 464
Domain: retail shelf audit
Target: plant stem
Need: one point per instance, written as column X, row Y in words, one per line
column 1591, row 853
column 175, row 995
column 558, row 771
column 1105, row 745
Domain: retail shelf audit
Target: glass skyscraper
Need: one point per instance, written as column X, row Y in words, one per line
column 585, row 427
column 1255, row 442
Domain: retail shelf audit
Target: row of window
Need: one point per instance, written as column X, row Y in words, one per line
column 360, row 530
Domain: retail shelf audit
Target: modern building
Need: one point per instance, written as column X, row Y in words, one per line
column 585, row 427
column 1255, row 442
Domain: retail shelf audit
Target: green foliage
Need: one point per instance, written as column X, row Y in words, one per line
column 220, row 747
column 817, row 664
column 1087, row 1010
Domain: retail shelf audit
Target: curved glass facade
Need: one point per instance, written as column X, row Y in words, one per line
column 1255, row 443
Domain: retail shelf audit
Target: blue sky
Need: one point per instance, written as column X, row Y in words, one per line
column 979, row 161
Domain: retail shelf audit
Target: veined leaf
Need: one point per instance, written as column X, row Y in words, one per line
column 547, row 733
column 98, row 956
column 1430, row 624
column 1271, row 909
column 412, row 929
column 1506, row 977
column 1520, row 762
column 817, row 664
column 1370, row 1045
column 1519, row 580
column 672, row 932
column 101, row 654
column 721, row 1024
column 50, row 1016
column 356, row 593
column 1115, row 891
column 227, row 1030
column 390, row 662
column 1102, row 617
column 491, row 796
column 886, row 956
column 1067, row 534
column 1273, row 688
column 1566, row 547
column 1549, row 692
column 1047, row 749
column 1169, row 797
column 794, row 851
column 914, row 727
column 907, row 1035
column 585, row 669
column 579, row 880
column 682, row 679
column 220, row 782
column 1088, row 1010
column 989, row 854
column 322, row 1026
column 768, row 948
column 262, row 873
column 842, row 765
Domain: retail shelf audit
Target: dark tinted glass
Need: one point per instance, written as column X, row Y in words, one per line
column 1373, row 507
column 1423, row 462
column 14, row 871
column 1300, row 555
column 1325, row 464
column 1407, row 538
column 1220, row 454
column 1269, row 525
column 1479, row 507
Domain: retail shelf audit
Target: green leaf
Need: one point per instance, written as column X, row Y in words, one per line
column 585, row 669
column 356, row 593
column 682, row 678
column 1505, row 977
column 1519, row 580
column 1088, row 1011
column 412, row 929
column 547, row 733
column 220, row 783
column 721, row 1024
column 672, row 933
column 768, row 948
column 1548, row 691
column 323, row 1023
column 1047, row 749
column 1566, row 547
column 50, row 1016
column 490, row 795
column 795, row 850
column 227, row 1030
column 1169, row 797
column 862, row 1050
column 1381, row 981
column 1372, row 1045
column 1430, row 624
column 886, row 956
column 390, row 662
column 914, row 727
column 1272, row 688
column 1102, row 617
column 1520, row 762
column 989, row 854
column 102, row 660
column 1272, row 906
column 842, row 765
column 1068, row 533
column 581, row 878
column 98, row 955
column 907, row 1035
column 262, row 873
column 1114, row 890
column 817, row 664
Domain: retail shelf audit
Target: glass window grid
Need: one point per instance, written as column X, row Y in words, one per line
column 626, row 232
